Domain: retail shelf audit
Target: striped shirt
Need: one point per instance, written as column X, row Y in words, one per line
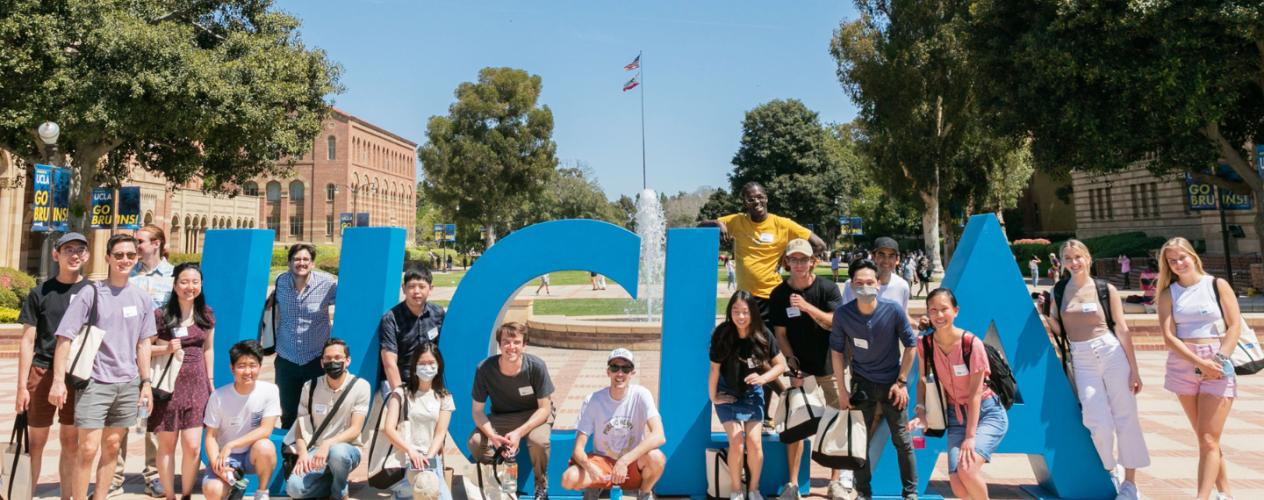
column 156, row 282
column 304, row 325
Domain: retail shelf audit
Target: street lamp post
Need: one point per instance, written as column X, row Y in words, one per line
column 48, row 132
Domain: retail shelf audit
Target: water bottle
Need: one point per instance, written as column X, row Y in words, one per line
column 239, row 486
column 616, row 493
column 1228, row 368
column 510, row 482
column 142, row 420
column 919, row 438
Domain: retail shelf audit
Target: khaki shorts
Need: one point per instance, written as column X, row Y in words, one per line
column 40, row 412
column 107, row 405
column 827, row 386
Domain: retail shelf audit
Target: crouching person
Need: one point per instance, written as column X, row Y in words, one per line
column 429, row 410
column 626, row 430
column 239, row 420
column 331, row 412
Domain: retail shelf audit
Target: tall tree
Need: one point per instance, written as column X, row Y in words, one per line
column 719, row 204
column 1177, row 86
column 493, row 152
column 215, row 90
column 682, row 209
column 572, row 193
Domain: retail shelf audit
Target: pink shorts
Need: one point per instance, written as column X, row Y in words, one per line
column 1182, row 380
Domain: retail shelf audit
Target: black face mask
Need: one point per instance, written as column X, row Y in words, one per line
column 334, row 369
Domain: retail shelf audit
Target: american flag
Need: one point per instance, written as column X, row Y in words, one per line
column 636, row 80
column 635, row 64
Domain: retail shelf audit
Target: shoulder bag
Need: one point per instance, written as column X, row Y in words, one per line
column 719, row 482
column 936, row 411
column 164, row 370
column 15, row 463
column 289, row 457
column 387, row 464
column 1248, row 356
column 799, row 413
column 268, row 323
column 842, row 440
column 83, row 350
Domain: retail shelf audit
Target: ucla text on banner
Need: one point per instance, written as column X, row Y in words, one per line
column 129, row 207
column 41, row 214
column 438, row 232
column 346, row 219
column 61, row 199
column 102, row 208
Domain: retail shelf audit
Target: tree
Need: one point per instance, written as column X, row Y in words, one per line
column 572, row 193
column 1174, row 86
column 493, row 152
column 719, row 204
column 626, row 209
column 682, row 209
column 213, row 90
column 784, row 148
column 903, row 63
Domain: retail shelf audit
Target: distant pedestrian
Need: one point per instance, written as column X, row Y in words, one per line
column 544, row 283
column 1034, row 266
column 1150, row 285
column 1125, row 267
column 731, row 270
column 834, row 265
column 923, row 276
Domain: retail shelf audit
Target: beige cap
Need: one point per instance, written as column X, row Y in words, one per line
column 799, row 245
column 426, row 486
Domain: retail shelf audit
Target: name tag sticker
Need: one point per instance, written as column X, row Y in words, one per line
column 960, row 370
column 433, row 333
column 320, row 409
column 129, row 311
column 1090, row 307
column 234, row 422
column 861, row 343
column 311, row 308
column 750, row 363
column 256, row 419
column 432, row 406
column 766, row 237
column 1205, row 312
column 792, row 312
column 526, row 391
column 180, row 331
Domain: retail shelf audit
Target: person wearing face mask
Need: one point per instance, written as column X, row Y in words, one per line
column 406, row 326
column 877, row 333
column 325, row 461
column 891, row 286
column 303, row 297
column 429, row 407
column 239, row 419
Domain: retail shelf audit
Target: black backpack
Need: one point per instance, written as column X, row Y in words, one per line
column 1001, row 380
column 1103, row 300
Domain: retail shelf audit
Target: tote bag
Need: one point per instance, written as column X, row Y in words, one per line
column 842, row 441
column 16, row 463
column 719, row 482
column 83, row 350
column 388, row 464
column 1248, row 355
column 485, row 481
column 164, row 370
column 936, row 412
column 268, row 323
column 799, row 414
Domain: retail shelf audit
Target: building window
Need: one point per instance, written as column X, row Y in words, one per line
column 251, row 189
column 330, row 191
column 1110, row 205
column 296, row 225
column 329, row 224
column 1154, row 199
column 296, row 191
column 274, row 191
column 274, row 223
column 333, row 148
column 1136, row 206
column 1092, row 204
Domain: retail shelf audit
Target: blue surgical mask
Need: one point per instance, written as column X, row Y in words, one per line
column 427, row 372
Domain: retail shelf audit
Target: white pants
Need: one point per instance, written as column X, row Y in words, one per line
column 1110, row 409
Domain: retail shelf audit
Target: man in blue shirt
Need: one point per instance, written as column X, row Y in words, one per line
column 873, row 329
column 303, row 298
column 406, row 326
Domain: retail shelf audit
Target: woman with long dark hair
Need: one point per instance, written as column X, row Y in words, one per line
column 187, row 325
column 430, row 409
column 740, row 346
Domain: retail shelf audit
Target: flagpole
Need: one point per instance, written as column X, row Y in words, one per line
column 644, row 184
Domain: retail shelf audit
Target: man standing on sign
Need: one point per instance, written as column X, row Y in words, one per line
column 759, row 239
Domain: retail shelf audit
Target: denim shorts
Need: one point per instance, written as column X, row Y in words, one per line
column 993, row 422
column 749, row 407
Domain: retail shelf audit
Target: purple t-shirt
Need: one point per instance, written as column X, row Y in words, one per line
column 127, row 316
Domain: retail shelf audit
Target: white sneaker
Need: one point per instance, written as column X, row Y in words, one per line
column 1117, row 477
column 836, row 491
column 848, row 479
column 790, row 492
column 737, row 495
column 1222, row 496
column 261, row 494
column 1127, row 491
column 754, row 495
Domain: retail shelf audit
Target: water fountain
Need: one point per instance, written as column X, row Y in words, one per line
column 651, row 226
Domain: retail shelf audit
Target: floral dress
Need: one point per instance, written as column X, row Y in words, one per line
column 187, row 405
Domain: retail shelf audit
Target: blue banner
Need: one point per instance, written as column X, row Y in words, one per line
column 1202, row 196
column 856, row 227
column 438, row 232
column 449, row 232
column 362, row 219
column 346, row 219
column 844, row 225
column 1230, row 199
column 41, row 213
column 61, row 199
column 1259, row 160
column 102, row 208
column 129, row 207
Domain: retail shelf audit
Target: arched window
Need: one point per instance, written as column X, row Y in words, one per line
column 333, row 148
column 149, row 218
column 273, row 214
column 250, row 189
column 296, row 191
column 329, row 192
column 274, row 191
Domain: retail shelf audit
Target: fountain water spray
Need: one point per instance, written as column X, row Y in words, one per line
column 651, row 226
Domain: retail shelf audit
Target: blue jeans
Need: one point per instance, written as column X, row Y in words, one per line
column 330, row 481
column 404, row 489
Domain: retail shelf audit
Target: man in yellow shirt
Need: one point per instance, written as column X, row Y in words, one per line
column 759, row 240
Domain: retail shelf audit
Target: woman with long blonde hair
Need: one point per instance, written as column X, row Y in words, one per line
column 1198, row 368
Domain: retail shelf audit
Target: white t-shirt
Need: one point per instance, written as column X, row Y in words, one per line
column 423, row 416
column 236, row 415
column 897, row 290
column 616, row 426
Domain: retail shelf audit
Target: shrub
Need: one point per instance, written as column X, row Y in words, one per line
column 17, row 282
column 1031, row 241
column 414, row 254
column 8, row 316
column 281, row 255
column 9, row 299
column 180, row 258
column 329, row 265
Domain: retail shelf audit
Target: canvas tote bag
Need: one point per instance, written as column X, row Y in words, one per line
column 484, row 481
column 799, row 413
column 268, row 322
column 16, row 463
column 936, row 411
column 388, row 464
column 1248, row 356
column 83, row 350
column 164, row 370
column 719, row 483
column 842, row 440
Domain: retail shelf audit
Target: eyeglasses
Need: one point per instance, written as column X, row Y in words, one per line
column 800, row 261
column 121, row 255
column 302, row 261
column 73, row 251
column 337, row 359
column 621, row 368
column 756, row 198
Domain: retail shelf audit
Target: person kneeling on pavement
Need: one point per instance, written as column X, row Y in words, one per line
column 239, row 420
column 326, row 435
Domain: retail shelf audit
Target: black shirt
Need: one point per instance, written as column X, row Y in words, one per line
column 734, row 372
column 809, row 341
column 43, row 309
column 400, row 332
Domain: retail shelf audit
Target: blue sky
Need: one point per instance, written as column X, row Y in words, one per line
column 706, row 63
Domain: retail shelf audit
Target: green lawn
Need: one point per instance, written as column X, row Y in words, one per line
column 581, row 277
column 586, row 307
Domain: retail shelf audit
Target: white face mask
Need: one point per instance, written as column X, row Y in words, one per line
column 865, row 294
column 427, row 372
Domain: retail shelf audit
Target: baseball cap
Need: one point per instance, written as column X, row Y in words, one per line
column 69, row 237
column 426, row 486
column 885, row 242
column 799, row 245
column 621, row 353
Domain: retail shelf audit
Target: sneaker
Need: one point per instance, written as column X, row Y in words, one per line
column 592, row 493
column 848, row 479
column 1127, row 491
column 1117, row 477
column 1222, row 496
column 541, row 493
column 115, row 490
column 837, row 491
column 261, row 494
column 754, row 495
column 790, row 492
column 154, row 488
column 737, row 495
column 643, row 495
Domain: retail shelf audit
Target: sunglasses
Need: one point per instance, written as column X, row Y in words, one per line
column 620, row 368
column 121, row 255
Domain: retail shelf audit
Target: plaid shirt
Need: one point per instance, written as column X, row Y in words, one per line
column 156, row 282
column 304, row 325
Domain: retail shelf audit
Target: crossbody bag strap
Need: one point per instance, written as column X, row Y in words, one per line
column 92, row 321
column 167, row 369
column 1103, row 298
column 332, row 411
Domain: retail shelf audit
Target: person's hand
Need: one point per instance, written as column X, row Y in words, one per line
column 898, row 395
column 723, row 398
column 918, row 422
column 595, row 473
column 1134, row 382
column 57, row 393
column 796, row 382
column 174, row 345
column 318, row 458
column 844, row 402
column 511, row 442
column 620, row 472
column 418, row 459
column 219, row 464
column 146, row 398
column 967, row 455
column 796, row 300
column 755, row 379
column 23, row 400
column 724, row 233
column 304, row 464
column 1211, row 369
column 923, row 323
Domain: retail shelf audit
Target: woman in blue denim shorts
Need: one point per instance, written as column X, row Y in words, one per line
column 740, row 348
column 976, row 420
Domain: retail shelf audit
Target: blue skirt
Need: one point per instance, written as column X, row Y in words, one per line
column 749, row 407
column 993, row 424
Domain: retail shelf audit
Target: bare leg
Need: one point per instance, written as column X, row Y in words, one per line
column 69, row 437
column 754, row 451
column 794, row 455
column 736, row 451
column 1212, row 413
column 971, row 480
column 111, row 437
column 576, row 479
column 89, row 444
column 191, row 445
column 39, row 438
column 652, row 465
column 263, row 454
column 167, row 461
column 214, row 489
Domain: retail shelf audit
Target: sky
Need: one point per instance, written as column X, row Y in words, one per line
column 705, row 64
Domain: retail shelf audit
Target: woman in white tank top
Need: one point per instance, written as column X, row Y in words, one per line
column 1188, row 311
